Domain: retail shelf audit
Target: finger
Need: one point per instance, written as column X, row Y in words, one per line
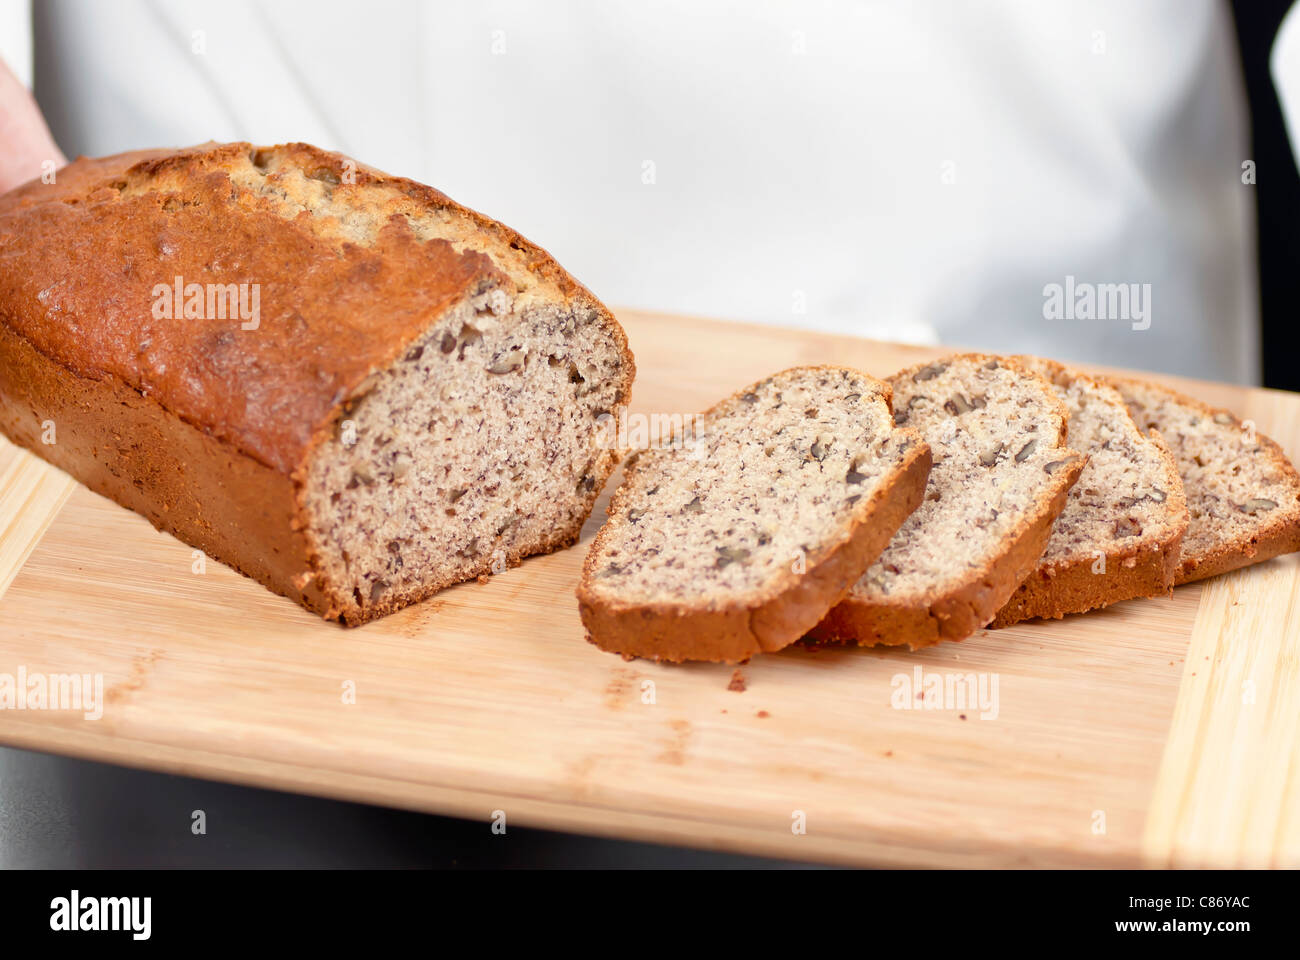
column 25, row 141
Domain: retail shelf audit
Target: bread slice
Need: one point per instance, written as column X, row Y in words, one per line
column 740, row 539
column 1001, row 474
column 368, row 393
column 1243, row 494
column 1120, row 532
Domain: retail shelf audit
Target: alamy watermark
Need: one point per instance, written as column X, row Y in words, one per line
column 209, row 301
column 945, row 691
column 1075, row 300
column 76, row 913
column 650, row 431
column 32, row 690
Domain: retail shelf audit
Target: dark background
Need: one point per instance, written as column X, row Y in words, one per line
column 57, row 813
column 1277, row 192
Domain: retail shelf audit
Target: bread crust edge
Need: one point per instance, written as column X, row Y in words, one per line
column 1275, row 539
column 960, row 612
column 258, row 525
column 675, row 632
column 1055, row 591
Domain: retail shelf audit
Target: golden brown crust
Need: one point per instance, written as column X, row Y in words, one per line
column 205, row 429
column 961, row 612
column 1053, row 593
column 181, row 214
column 764, row 623
column 90, row 309
column 127, row 447
column 1274, row 542
column 957, row 613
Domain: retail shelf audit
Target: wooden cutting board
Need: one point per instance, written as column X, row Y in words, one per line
column 1155, row 732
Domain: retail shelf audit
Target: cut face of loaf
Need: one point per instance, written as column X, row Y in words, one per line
column 1002, row 469
column 362, row 393
column 738, row 541
column 1243, row 494
column 1119, row 534
column 472, row 451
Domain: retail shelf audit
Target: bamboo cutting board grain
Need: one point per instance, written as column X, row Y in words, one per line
column 1161, row 732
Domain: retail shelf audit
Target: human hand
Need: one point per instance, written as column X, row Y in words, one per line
column 25, row 141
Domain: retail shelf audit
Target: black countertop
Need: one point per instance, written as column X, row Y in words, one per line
column 57, row 812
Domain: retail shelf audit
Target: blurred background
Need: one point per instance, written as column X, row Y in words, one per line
column 914, row 171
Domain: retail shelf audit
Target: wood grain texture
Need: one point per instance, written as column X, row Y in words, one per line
column 1228, row 793
column 1229, row 786
column 31, row 495
column 1104, row 749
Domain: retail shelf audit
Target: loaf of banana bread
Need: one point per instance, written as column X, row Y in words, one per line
column 340, row 383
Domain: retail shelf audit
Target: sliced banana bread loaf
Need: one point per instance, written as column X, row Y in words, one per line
column 338, row 382
column 738, row 540
column 1119, row 534
column 1001, row 473
column 1243, row 494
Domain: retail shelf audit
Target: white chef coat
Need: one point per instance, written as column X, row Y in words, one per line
column 914, row 171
